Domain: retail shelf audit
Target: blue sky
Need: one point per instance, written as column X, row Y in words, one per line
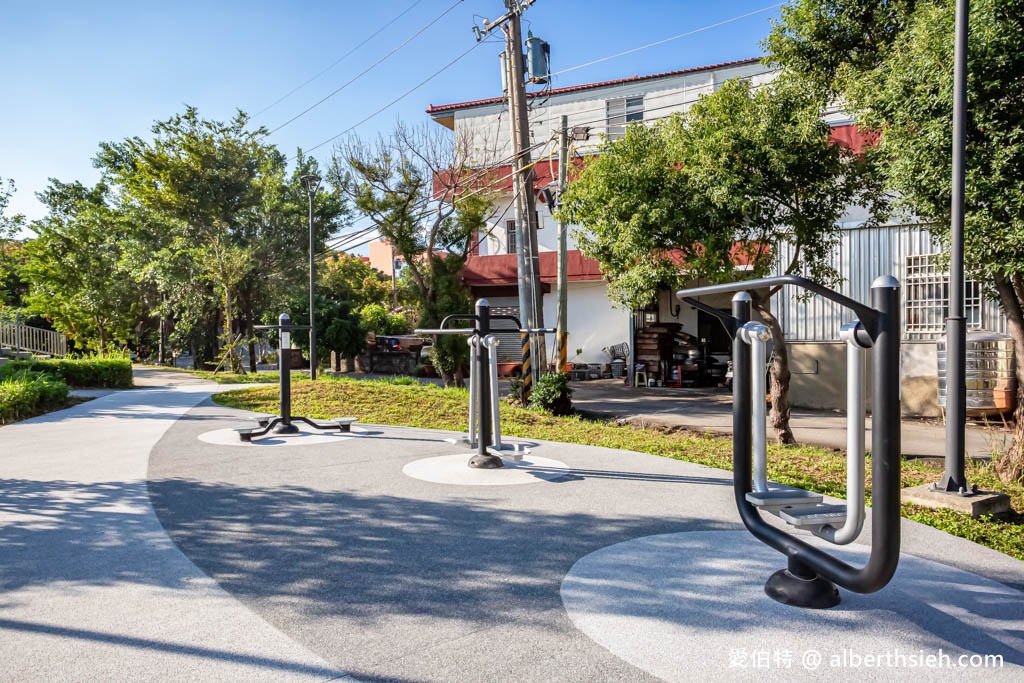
column 76, row 74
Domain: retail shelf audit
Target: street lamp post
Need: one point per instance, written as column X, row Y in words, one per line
column 954, row 480
column 312, row 183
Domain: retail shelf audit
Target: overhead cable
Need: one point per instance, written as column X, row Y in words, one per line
column 397, row 99
column 337, row 61
column 366, row 70
column 668, row 40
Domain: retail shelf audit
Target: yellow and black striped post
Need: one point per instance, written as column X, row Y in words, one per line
column 527, row 375
column 563, row 352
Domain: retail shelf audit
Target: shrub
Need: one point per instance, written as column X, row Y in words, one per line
column 517, row 392
column 103, row 373
column 552, row 394
column 24, row 393
column 378, row 319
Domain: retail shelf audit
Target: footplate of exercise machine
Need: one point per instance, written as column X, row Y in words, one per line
column 778, row 497
column 814, row 516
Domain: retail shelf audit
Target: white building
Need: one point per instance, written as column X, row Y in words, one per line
column 604, row 108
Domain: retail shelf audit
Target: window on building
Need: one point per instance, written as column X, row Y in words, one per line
column 927, row 298
column 510, row 236
column 622, row 111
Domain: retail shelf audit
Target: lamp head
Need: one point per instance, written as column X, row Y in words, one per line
column 311, row 182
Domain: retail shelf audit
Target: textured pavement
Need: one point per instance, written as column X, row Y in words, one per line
column 91, row 587
column 134, row 550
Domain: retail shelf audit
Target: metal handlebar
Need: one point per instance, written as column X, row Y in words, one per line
column 855, row 422
column 282, row 327
column 868, row 316
column 757, row 336
column 450, row 330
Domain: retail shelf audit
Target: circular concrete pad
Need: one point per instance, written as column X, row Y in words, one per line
column 691, row 606
column 229, row 437
column 453, row 469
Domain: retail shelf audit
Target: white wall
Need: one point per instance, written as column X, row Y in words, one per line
column 490, row 128
column 594, row 322
column 494, row 241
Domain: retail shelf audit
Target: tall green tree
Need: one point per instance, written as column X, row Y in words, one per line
column 213, row 199
column 747, row 174
column 11, row 286
column 75, row 267
column 892, row 64
column 278, row 233
column 201, row 177
column 349, row 278
column 412, row 185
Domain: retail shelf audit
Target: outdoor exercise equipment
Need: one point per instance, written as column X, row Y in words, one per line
column 285, row 422
column 811, row 576
column 484, row 424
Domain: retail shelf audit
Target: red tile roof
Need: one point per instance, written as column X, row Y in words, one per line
column 500, row 269
column 587, row 86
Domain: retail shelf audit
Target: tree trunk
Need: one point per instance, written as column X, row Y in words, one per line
column 1010, row 466
column 778, row 417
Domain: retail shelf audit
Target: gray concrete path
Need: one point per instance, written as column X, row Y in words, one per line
column 710, row 410
column 91, row 587
column 138, row 547
column 392, row 577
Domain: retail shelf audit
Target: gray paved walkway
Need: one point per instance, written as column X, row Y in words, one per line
column 711, row 410
column 91, row 587
column 135, row 550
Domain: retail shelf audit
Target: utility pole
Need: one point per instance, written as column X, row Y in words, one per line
column 561, row 339
column 394, row 267
column 531, row 309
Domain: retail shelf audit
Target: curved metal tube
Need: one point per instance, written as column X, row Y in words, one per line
column 474, row 390
column 854, row 523
column 492, row 342
column 756, row 334
column 461, row 330
column 868, row 316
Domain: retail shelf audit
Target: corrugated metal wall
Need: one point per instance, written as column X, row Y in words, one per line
column 863, row 255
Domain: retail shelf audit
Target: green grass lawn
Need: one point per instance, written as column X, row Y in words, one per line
column 406, row 402
column 225, row 377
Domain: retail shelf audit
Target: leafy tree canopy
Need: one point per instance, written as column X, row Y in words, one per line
column 891, row 63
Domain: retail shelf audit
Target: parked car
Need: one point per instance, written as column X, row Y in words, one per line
column 389, row 344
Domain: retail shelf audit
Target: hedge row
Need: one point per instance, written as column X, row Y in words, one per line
column 103, row 373
column 24, row 394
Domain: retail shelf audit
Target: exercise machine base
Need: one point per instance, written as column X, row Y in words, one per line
column 812, row 593
column 486, row 462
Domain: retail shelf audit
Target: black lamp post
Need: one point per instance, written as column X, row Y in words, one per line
column 312, row 183
column 954, row 480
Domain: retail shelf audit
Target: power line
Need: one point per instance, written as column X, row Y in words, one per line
column 367, row 69
column 337, row 61
column 397, row 99
column 668, row 40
